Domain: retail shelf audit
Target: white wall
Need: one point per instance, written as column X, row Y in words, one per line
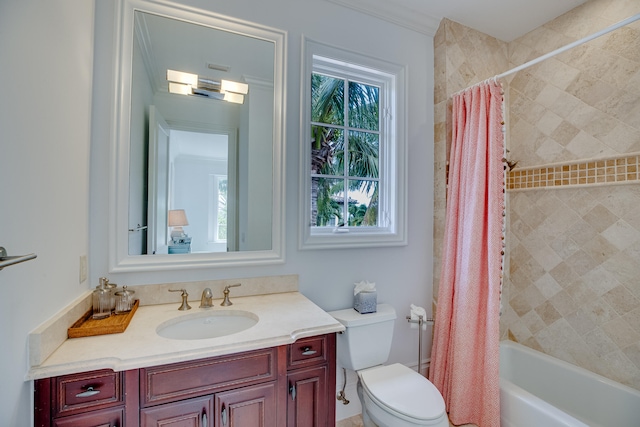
column 45, row 117
column 402, row 273
column 48, row 166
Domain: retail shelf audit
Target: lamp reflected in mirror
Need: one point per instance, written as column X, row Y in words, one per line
column 177, row 220
column 180, row 242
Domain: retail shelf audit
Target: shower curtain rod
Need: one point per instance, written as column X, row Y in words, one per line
column 558, row 51
column 570, row 46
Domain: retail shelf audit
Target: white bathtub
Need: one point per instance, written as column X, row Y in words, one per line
column 537, row 390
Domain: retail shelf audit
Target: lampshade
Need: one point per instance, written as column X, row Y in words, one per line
column 182, row 77
column 180, row 89
column 177, row 218
column 230, row 86
column 236, row 98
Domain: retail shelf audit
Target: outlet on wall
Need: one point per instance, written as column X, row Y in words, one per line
column 83, row 268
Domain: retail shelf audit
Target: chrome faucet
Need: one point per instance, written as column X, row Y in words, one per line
column 207, row 299
column 185, row 305
column 226, row 301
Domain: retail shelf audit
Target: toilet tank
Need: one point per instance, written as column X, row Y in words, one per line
column 366, row 342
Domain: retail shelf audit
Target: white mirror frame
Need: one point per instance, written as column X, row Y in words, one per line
column 119, row 258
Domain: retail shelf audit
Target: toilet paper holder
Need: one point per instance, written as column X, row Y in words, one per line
column 420, row 321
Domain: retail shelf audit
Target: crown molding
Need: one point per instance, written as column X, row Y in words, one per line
column 395, row 13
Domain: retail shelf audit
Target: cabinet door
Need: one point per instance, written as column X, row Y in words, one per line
column 248, row 406
column 307, row 401
column 185, row 413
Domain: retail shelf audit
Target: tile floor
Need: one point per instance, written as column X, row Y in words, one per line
column 355, row 421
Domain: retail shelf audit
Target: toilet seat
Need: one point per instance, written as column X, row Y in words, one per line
column 403, row 392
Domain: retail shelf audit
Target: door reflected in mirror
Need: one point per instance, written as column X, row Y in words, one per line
column 201, row 169
column 198, row 153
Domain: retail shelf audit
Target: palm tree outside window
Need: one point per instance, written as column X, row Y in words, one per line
column 345, row 152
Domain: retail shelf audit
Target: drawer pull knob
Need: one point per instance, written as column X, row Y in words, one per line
column 306, row 351
column 223, row 415
column 88, row 393
column 204, row 420
column 292, row 391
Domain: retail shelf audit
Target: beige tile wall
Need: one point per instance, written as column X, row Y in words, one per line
column 572, row 287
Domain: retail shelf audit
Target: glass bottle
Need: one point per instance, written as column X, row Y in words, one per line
column 111, row 287
column 101, row 300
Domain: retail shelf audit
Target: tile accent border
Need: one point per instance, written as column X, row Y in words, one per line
column 607, row 171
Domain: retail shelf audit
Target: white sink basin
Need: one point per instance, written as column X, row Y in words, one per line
column 199, row 326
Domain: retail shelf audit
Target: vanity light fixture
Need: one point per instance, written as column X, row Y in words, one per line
column 190, row 84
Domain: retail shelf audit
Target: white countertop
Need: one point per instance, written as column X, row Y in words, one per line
column 282, row 319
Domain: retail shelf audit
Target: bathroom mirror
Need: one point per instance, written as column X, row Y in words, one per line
column 217, row 163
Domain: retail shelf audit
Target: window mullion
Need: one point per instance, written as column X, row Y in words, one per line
column 345, row 163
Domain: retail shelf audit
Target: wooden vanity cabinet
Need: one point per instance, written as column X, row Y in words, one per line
column 311, row 380
column 291, row 385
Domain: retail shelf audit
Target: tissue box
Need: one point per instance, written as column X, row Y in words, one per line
column 365, row 302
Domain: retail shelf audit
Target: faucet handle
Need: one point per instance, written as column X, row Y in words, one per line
column 226, row 301
column 185, row 305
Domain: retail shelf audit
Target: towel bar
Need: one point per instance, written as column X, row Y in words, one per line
column 6, row 261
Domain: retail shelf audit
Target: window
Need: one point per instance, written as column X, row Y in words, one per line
column 353, row 160
column 218, row 209
column 221, row 219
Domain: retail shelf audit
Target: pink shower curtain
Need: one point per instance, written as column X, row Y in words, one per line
column 465, row 353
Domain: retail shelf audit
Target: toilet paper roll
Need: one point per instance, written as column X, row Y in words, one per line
column 416, row 312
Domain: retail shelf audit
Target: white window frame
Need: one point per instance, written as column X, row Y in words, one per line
column 391, row 230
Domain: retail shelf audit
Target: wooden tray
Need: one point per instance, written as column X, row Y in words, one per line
column 114, row 324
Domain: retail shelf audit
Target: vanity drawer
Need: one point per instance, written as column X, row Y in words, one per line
column 182, row 380
column 100, row 418
column 308, row 351
column 76, row 393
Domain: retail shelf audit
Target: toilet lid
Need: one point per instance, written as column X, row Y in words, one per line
column 403, row 390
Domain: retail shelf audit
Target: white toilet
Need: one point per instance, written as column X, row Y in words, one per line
column 392, row 395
